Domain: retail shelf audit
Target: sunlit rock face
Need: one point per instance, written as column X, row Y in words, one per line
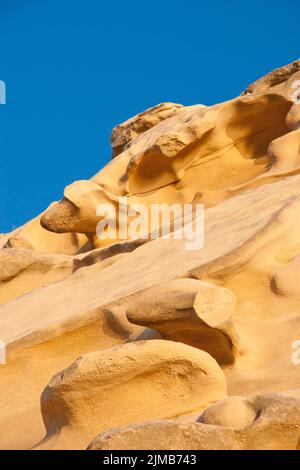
column 135, row 341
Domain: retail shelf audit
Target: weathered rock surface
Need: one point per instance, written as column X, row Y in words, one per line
column 192, row 312
column 123, row 385
column 159, row 327
column 266, row 422
column 208, row 154
column 124, row 134
column 33, row 236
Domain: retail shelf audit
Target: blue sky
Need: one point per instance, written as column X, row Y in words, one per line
column 74, row 69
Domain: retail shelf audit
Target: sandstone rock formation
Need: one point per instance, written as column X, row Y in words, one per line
column 124, row 134
column 265, row 422
column 137, row 332
column 143, row 379
column 191, row 312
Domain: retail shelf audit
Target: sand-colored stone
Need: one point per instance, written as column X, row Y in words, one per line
column 264, row 218
column 22, row 270
column 293, row 116
column 124, row 134
column 234, row 412
column 64, row 293
column 28, row 371
column 191, row 312
column 241, row 253
column 266, row 422
column 125, row 385
column 202, row 153
column 33, row 236
column 276, row 80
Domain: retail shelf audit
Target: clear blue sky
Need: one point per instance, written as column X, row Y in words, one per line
column 74, row 69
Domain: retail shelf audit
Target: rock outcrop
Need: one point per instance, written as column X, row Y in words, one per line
column 191, row 312
column 140, row 380
column 178, row 348
column 266, row 422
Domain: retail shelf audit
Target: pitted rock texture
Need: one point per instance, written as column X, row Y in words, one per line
column 171, row 379
column 138, row 342
column 266, row 422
